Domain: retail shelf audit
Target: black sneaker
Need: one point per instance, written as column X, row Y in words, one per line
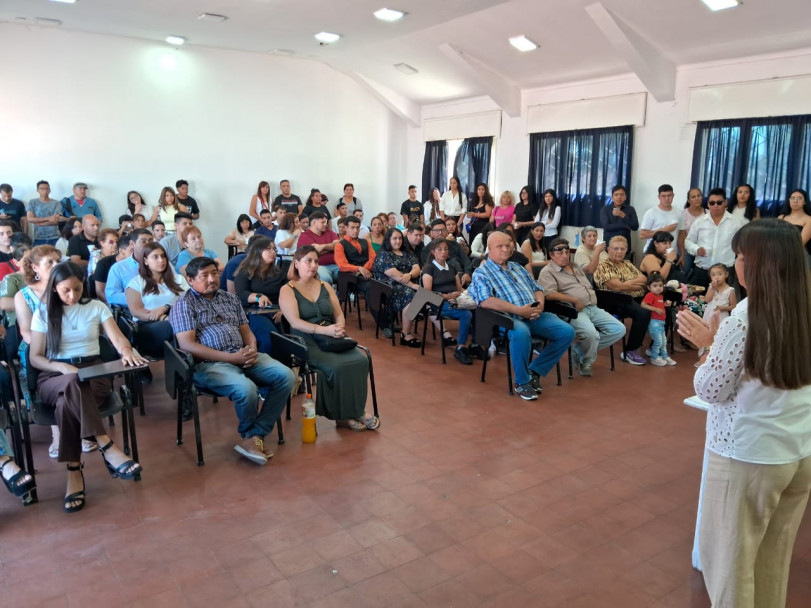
column 146, row 376
column 535, row 382
column 462, row 356
column 526, row 392
column 477, row 352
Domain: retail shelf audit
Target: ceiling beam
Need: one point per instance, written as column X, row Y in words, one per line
column 505, row 93
column 656, row 71
column 402, row 106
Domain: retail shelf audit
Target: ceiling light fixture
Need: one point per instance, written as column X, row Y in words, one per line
column 406, row 69
column 65, row 1
column 212, row 17
column 389, row 14
column 176, row 40
column 327, row 37
column 719, row 5
column 47, row 22
column 523, row 44
column 281, row 52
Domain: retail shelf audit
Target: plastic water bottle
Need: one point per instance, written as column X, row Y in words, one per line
column 577, row 240
column 308, row 432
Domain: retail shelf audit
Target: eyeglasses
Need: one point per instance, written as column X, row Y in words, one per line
column 559, row 249
column 714, row 203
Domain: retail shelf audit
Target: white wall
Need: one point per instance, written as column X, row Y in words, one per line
column 126, row 114
column 663, row 147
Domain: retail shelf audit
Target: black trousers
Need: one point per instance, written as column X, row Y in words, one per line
column 640, row 319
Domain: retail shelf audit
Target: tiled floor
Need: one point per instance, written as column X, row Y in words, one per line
column 465, row 497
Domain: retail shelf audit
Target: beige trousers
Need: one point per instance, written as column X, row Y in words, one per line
column 749, row 521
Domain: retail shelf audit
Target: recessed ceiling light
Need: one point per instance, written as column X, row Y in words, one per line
column 523, row 44
column 281, row 52
column 389, row 14
column 212, row 17
column 719, row 5
column 406, row 69
column 327, row 37
column 65, row 1
column 47, row 22
column 176, row 40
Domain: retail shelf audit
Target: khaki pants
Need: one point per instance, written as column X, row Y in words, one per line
column 749, row 520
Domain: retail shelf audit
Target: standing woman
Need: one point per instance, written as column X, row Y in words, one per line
column 137, row 204
column 64, row 338
column 550, row 216
column 399, row 268
column 757, row 380
column 526, row 211
column 352, row 202
column 744, row 205
column 312, row 309
column 260, row 200
column 258, row 281
column 480, row 210
column 431, row 206
column 505, row 211
column 314, row 204
column 797, row 211
column 453, row 203
column 377, row 231
column 693, row 209
column 167, row 207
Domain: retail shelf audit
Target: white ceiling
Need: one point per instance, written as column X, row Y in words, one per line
column 572, row 46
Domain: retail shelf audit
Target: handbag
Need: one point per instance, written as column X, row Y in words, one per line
column 465, row 302
column 330, row 344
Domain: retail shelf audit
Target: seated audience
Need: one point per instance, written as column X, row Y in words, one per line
column 6, row 249
column 594, row 328
column 125, row 225
column 17, row 481
column 660, row 257
column 312, row 309
column 377, row 230
column 195, row 248
column 150, row 296
column 45, row 213
column 399, row 268
column 239, row 236
column 415, row 239
column 73, row 227
column 364, row 230
column 533, row 248
column 439, row 231
column 229, row 272
column 287, row 235
column 172, row 242
column 517, row 257
column 80, row 246
column 341, row 211
column 266, row 226
column 64, row 338
column 441, row 275
column 590, row 253
column 158, row 229
column 121, row 273
column 102, row 273
column 507, row 287
column 619, row 275
column 257, row 282
column 479, row 243
column 12, row 283
column 137, row 206
column 353, row 255
column 108, row 246
column 211, row 325
column 324, row 241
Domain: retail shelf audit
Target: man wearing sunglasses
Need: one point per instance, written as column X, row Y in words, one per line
column 566, row 282
column 710, row 239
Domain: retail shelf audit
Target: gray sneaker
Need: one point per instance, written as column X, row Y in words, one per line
column 585, row 370
column 526, row 392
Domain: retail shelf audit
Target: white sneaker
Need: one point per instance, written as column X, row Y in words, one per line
column 670, row 361
column 659, row 362
column 648, row 353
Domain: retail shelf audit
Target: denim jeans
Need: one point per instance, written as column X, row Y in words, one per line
column 595, row 329
column 261, row 326
column 50, row 242
column 559, row 336
column 656, row 329
column 328, row 273
column 464, row 317
column 267, row 377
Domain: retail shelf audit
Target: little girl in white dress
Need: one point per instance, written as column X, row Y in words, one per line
column 720, row 297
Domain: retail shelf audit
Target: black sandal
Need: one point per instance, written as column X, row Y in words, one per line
column 413, row 342
column 122, row 470
column 77, row 497
column 16, row 485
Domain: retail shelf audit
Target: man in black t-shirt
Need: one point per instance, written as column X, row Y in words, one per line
column 103, row 267
column 411, row 207
column 184, row 199
column 79, row 245
column 6, row 248
column 290, row 202
column 12, row 209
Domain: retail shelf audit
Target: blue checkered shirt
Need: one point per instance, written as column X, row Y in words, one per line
column 216, row 322
column 513, row 285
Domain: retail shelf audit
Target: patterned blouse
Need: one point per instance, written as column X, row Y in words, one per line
column 608, row 271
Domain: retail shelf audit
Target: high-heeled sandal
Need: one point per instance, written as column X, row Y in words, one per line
column 122, row 471
column 77, row 497
column 413, row 342
column 16, row 484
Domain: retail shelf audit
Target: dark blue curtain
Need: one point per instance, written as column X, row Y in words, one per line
column 434, row 167
column 773, row 155
column 472, row 163
column 581, row 167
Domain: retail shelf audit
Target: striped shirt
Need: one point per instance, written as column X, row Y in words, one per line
column 216, row 322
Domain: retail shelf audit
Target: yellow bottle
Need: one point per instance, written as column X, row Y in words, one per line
column 308, row 431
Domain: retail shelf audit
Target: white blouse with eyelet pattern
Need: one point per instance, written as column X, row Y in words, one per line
column 747, row 420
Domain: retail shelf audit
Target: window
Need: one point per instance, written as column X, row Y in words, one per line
column 581, row 167
column 773, row 155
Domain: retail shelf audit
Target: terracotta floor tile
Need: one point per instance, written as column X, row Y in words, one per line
column 450, row 593
column 421, row 574
column 297, row 560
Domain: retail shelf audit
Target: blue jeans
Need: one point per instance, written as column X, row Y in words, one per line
column 261, row 326
column 658, row 349
column 51, row 242
column 267, row 377
column 328, row 273
column 559, row 336
column 464, row 317
column 595, row 329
